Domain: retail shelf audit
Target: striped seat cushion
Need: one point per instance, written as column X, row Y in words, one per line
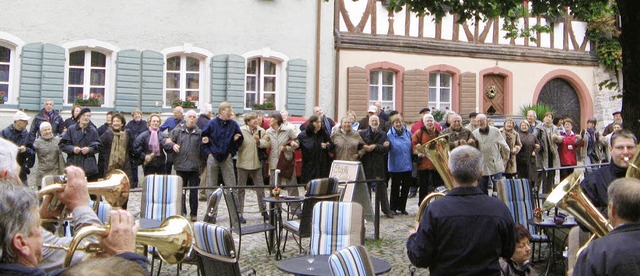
column 516, row 194
column 336, row 225
column 352, row 260
column 322, row 186
column 162, row 196
column 213, row 239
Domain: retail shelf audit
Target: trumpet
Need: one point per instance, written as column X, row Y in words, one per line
column 173, row 240
column 114, row 188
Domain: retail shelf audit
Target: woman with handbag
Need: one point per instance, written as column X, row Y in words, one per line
column 282, row 142
column 249, row 163
column 315, row 144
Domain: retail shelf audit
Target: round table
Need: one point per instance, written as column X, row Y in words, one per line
column 276, row 217
column 551, row 228
column 300, row 266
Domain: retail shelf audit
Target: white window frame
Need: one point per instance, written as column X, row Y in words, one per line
column 260, row 76
column 438, row 104
column 204, row 56
column 182, row 87
column 88, row 45
column 281, row 60
column 14, row 44
column 86, row 86
column 380, row 85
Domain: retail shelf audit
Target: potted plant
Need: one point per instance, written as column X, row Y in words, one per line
column 91, row 101
column 265, row 106
column 186, row 104
column 2, row 94
column 276, row 193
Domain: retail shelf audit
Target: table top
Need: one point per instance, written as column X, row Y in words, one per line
column 300, row 266
column 566, row 224
column 284, row 199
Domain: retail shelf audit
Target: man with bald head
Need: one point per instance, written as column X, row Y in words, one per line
column 617, row 252
column 169, row 124
column 459, row 135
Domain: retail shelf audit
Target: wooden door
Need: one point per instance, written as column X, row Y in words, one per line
column 560, row 95
column 493, row 94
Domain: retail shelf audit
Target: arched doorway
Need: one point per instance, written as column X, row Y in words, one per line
column 562, row 97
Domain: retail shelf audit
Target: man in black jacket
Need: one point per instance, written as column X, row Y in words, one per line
column 623, row 148
column 18, row 134
column 47, row 114
column 617, row 252
column 374, row 160
column 466, row 231
column 81, row 143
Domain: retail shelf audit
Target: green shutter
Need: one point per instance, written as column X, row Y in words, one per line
column 152, row 81
column 30, row 76
column 235, row 82
column 218, row 79
column 296, row 86
column 128, row 80
column 52, row 85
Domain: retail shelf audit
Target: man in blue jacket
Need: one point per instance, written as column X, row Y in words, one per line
column 466, row 231
column 222, row 138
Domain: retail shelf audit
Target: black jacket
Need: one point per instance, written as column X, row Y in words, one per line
column 21, row 138
column 57, row 124
column 316, row 161
column 463, row 233
column 105, row 152
column 188, row 158
column 595, row 185
column 614, row 254
column 136, row 127
column 16, row 269
column 77, row 137
column 375, row 162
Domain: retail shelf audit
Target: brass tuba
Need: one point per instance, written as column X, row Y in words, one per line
column 569, row 196
column 633, row 171
column 172, row 239
column 437, row 150
column 114, row 188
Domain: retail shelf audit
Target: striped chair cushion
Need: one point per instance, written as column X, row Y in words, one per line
column 103, row 210
column 353, row 260
column 162, row 196
column 336, row 225
column 213, row 239
column 322, row 186
column 516, row 194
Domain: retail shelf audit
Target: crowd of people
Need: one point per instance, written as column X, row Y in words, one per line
column 201, row 148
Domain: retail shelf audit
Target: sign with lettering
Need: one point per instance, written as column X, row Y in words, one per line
column 347, row 171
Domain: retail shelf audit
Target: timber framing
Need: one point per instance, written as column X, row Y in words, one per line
column 429, row 46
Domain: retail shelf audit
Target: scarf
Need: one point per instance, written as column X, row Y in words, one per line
column 154, row 143
column 118, row 151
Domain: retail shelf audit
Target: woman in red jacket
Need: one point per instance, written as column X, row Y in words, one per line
column 567, row 150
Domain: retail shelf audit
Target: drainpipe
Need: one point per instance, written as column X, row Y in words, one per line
column 338, row 41
column 318, row 29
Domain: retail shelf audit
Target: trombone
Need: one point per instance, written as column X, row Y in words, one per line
column 173, row 240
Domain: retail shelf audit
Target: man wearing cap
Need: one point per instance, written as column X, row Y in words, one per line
column 81, row 143
column 18, row 134
column 47, row 114
column 617, row 118
column 364, row 123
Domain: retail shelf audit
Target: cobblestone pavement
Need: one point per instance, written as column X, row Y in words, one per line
column 390, row 247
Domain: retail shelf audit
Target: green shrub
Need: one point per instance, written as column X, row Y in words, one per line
column 539, row 108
